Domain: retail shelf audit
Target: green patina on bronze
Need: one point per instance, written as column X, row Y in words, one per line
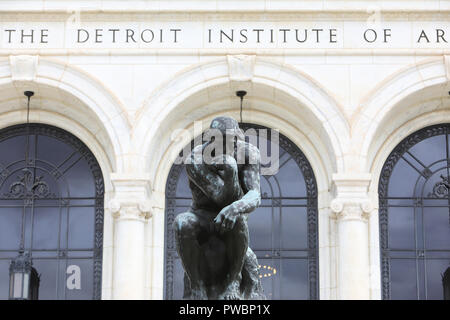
column 212, row 237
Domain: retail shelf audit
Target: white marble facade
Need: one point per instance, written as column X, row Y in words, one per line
column 344, row 100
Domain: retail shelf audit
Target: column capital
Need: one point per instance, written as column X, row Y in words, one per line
column 351, row 209
column 352, row 201
column 131, row 197
column 130, row 210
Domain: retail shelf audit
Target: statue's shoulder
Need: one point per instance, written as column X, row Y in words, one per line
column 198, row 149
column 195, row 156
column 251, row 152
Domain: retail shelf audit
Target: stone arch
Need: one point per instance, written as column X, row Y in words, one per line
column 409, row 93
column 438, row 115
column 273, row 190
column 70, row 93
column 409, row 100
column 276, row 94
column 70, row 99
column 278, row 97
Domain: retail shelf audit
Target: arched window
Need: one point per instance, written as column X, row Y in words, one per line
column 415, row 216
column 51, row 205
column 283, row 230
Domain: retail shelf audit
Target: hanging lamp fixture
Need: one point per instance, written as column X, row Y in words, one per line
column 23, row 278
column 241, row 94
column 28, row 94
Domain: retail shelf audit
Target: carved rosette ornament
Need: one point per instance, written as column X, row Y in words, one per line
column 351, row 210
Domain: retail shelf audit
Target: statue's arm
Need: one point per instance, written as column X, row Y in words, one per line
column 210, row 183
column 250, row 182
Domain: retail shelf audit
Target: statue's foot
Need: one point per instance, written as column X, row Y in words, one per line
column 232, row 296
column 232, row 292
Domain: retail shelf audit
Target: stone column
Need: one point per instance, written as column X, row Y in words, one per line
column 155, row 247
column 352, row 208
column 130, row 209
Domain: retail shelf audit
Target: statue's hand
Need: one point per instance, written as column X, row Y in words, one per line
column 226, row 219
column 224, row 164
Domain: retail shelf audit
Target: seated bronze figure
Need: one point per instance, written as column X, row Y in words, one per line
column 212, row 237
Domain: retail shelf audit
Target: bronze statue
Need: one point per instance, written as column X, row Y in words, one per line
column 212, row 237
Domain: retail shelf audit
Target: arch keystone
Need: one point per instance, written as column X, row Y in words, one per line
column 23, row 67
column 241, row 67
column 447, row 66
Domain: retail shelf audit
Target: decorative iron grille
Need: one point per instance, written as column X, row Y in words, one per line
column 56, row 198
column 414, row 216
column 283, row 230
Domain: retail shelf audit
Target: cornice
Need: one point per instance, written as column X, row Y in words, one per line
column 224, row 6
column 277, row 52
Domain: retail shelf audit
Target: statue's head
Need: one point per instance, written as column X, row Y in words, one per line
column 224, row 132
column 227, row 126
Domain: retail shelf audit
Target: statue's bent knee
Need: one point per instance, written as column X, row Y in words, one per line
column 185, row 225
column 213, row 246
column 241, row 224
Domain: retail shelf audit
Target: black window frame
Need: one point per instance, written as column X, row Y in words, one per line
column 38, row 129
column 440, row 191
column 312, row 253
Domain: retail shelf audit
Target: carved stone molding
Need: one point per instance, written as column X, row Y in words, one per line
column 367, row 207
column 351, row 209
column 130, row 210
column 23, row 67
column 337, row 206
column 241, row 67
column 158, row 200
column 131, row 199
column 447, row 66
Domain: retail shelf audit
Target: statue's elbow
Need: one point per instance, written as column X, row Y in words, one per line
column 257, row 198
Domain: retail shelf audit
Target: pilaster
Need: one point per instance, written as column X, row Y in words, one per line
column 352, row 207
column 131, row 209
